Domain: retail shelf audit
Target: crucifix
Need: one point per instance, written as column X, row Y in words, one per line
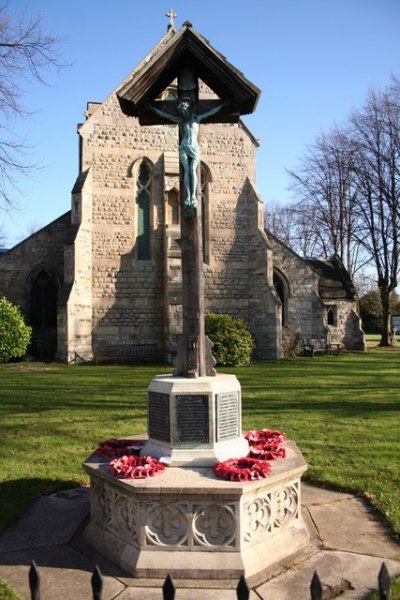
column 187, row 58
column 194, row 358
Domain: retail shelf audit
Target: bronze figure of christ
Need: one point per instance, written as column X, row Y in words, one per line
column 189, row 151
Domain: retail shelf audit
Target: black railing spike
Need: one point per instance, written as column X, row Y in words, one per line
column 384, row 583
column 168, row 588
column 316, row 587
column 97, row 584
column 34, row 581
column 242, row 589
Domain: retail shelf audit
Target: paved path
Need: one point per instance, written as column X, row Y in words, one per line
column 349, row 543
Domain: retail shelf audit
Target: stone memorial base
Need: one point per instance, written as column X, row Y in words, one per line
column 195, row 422
column 190, row 524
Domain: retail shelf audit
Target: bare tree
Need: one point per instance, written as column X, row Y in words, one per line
column 376, row 131
column 26, row 53
column 325, row 215
column 277, row 221
column 3, row 237
column 293, row 224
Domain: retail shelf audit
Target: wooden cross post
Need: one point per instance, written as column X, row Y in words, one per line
column 194, row 357
column 186, row 56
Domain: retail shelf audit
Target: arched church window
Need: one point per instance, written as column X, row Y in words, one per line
column 43, row 294
column 205, row 178
column 143, row 205
column 282, row 289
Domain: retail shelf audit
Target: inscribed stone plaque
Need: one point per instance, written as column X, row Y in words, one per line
column 159, row 424
column 227, row 415
column 192, row 418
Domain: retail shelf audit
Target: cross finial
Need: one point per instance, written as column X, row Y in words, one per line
column 171, row 15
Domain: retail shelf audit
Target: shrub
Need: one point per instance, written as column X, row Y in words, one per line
column 15, row 335
column 233, row 342
column 7, row 592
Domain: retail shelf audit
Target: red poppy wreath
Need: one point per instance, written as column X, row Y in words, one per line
column 266, row 444
column 119, row 447
column 242, row 469
column 135, row 467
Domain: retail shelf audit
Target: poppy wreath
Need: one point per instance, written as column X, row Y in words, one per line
column 135, row 467
column 119, row 447
column 266, row 444
column 242, row 469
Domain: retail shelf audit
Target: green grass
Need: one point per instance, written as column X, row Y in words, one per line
column 394, row 591
column 343, row 413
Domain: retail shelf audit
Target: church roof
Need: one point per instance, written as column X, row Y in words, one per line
column 335, row 282
column 187, row 48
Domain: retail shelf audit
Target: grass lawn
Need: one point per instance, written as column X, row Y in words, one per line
column 343, row 412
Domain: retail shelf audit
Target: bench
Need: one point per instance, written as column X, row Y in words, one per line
column 126, row 353
column 312, row 347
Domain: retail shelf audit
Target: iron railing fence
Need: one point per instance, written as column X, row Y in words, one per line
column 169, row 589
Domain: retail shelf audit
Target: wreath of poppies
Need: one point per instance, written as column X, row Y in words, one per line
column 135, row 467
column 242, row 469
column 121, row 447
column 265, row 445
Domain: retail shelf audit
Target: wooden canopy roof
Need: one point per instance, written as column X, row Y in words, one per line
column 335, row 282
column 188, row 49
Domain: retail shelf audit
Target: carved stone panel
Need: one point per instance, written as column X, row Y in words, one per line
column 214, row 525
column 166, row 524
column 286, row 505
column 257, row 518
column 115, row 511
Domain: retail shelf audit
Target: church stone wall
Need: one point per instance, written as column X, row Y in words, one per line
column 127, row 293
column 347, row 330
column 305, row 310
column 44, row 248
column 74, row 326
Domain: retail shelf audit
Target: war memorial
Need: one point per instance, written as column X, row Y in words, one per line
column 185, row 520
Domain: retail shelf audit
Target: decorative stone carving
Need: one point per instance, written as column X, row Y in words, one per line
column 166, row 525
column 286, row 505
column 214, row 525
column 116, row 512
column 126, row 518
column 258, row 518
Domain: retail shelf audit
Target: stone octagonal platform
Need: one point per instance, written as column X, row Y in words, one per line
column 190, row 524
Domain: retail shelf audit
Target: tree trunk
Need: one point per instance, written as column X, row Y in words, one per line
column 387, row 336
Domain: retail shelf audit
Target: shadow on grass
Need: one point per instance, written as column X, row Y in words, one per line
column 345, row 408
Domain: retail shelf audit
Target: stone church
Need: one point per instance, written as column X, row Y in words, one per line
column 108, row 272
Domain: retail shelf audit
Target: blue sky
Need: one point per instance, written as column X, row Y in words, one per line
column 314, row 61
